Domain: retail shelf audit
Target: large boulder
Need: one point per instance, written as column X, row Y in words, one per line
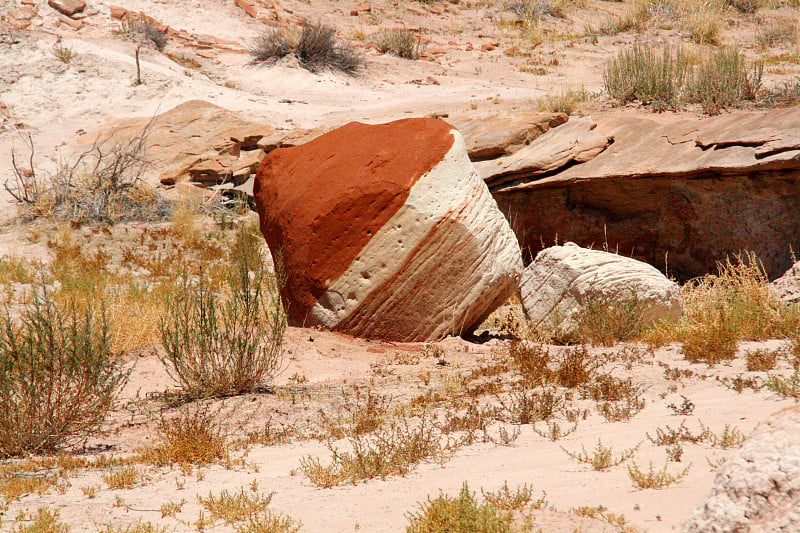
column 757, row 491
column 680, row 194
column 386, row 231
column 562, row 280
column 787, row 287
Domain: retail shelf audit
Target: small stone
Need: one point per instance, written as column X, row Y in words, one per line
column 117, row 12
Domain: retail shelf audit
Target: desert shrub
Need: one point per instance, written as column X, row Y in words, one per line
column 271, row 46
column 102, row 184
column 700, row 18
column 225, row 344
column 576, row 367
column 639, row 73
column 602, row 457
column 526, row 406
column 655, row 479
column 62, row 53
column 724, row 80
column 462, row 514
column 566, row 102
column 58, row 375
column 743, row 6
column 721, row 309
column 775, row 33
column 531, row 361
column 399, row 42
column 318, row 49
column 144, row 31
column 786, row 95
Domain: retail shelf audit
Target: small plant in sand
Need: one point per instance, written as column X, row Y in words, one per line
column 235, row 507
column 400, row 42
column 518, row 499
column 223, row 345
column 126, row 478
column 44, row 521
column 731, row 437
column 655, row 479
column 761, row 360
column 576, row 367
column 192, row 436
column 138, row 527
column 672, row 436
column 462, row 514
column 602, row 457
column 58, row 376
column 554, row 431
column 686, row 407
column 143, row 31
column 525, row 405
column 788, row 388
column 62, row 53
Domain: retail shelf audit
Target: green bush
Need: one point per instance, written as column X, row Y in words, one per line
column 459, row 515
column 639, row 73
column 401, row 43
column 58, row 376
column 227, row 343
column 724, row 80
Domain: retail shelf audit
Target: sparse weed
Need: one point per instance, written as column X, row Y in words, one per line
column 526, row 405
column 788, row 388
column 316, row 48
column 236, row 507
column 271, row 46
column 566, row 102
column 602, row 457
column 361, row 414
column 462, row 514
column 672, row 436
column 138, row 527
column 506, row 499
column 686, row 407
column 760, row 360
column 45, row 521
column 554, row 430
column 731, row 437
column 675, row 452
column 62, row 53
column 531, row 360
column 607, row 320
column 622, row 410
column 170, row 509
column 143, row 31
column 576, row 367
column 655, row 479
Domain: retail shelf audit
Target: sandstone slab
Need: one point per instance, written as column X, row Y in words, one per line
column 386, row 231
column 563, row 280
column 757, row 491
column 490, row 135
column 787, row 287
column 679, row 194
column 67, row 7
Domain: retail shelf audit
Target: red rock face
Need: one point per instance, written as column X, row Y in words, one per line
column 386, row 231
column 321, row 202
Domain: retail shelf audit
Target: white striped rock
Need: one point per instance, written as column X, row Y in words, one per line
column 386, row 231
column 562, row 280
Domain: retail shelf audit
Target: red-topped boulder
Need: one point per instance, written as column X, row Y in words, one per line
column 386, row 231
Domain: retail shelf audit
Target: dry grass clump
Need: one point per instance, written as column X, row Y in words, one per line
column 190, row 437
column 126, row 478
column 462, row 514
column 701, row 19
column 606, row 320
column 776, row 33
column 788, row 388
column 144, row 31
column 400, row 42
column 721, row 309
column 760, row 360
column 103, row 184
column 223, row 345
column 655, row 479
column 360, row 414
column 565, row 102
column 138, row 527
column 526, row 405
column 316, row 48
column 58, row 375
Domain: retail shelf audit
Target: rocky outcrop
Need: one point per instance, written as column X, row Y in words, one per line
column 493, row 135
column 195, row 142
column 678, row 194
column 386, row 231
column 562, row 280
column 67, row 7
column 787, row 287
column 758, row 490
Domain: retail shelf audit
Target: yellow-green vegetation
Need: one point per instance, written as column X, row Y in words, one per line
column 400, row 42
column 602, row 457
column 125, row 478
column 565, row 102
column 761, row 360
column 722, row 309
column 788, row 388
column 248, row 513
column 655, row 479
column 44, row 521
column 506, row 499
column 138, row 527
column 701, row 19
column 192, row 436
column 462, row 514
column 58, row 375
